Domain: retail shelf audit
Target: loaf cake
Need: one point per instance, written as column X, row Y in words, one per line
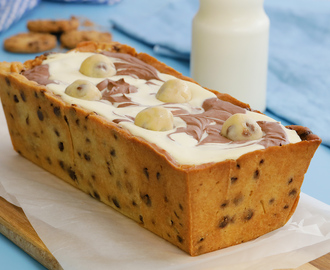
column 199, row 168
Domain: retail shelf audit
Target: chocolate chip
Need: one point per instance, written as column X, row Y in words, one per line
column 303, row 136
column 23, row 96
column 61, row 163
column 180, row 239
column 49, row 160
column 7, row 81
column 248, row 214
column 224, row 204
column 36, row 95
column 146, row 199
column 66, row 119
column 176, row 215
column 16, row 99
column 77, row 122
column 134, row 203
column 61, row 146
column 201, row 239
column 145, row 170
column 27, row 120
column 141, row 219
column 290, row 181
column 109, row 169
column 96, row 195
column 165, row 199
column 224, row 221
column 93, row 177
column 57, row 111
column 40, row 115
column 286, row 206
column 72, row 174
column 56, row 132
column 88, row 140
column 11, row 115
column 180, row 206
column 87, row 157
column 233, row 180
column 256, row 174
column 271, row 201
column 116, row 48
column 261, row 161
column 238, row 166
column 293, row 192
column 115, row 202
column 158, row 175
column 115, row 136
column 113, row 152
column 238, row 199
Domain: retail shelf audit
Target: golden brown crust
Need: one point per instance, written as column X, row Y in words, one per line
column 197, row 208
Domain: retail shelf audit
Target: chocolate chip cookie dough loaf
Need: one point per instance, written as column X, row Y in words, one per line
column 196, row 167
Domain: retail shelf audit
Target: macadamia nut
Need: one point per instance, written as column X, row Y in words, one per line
column 84, row 90
column 155, row 118
column 174, row 91
column 240, row 127
column 98, row 66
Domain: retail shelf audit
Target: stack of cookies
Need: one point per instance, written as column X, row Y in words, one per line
column 43, row 36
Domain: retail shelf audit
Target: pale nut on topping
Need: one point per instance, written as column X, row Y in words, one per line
column 84, row 90
column 155, row 118
column 240, row 127
column 174, row 91
column 98, row 66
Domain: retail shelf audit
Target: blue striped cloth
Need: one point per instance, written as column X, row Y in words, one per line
column 13, row 10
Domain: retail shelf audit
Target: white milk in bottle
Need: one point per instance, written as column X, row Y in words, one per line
column 230, row 49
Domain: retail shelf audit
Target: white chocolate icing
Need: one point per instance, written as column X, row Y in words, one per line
column 64, row 69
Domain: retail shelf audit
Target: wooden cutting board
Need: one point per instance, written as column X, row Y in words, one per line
column 16, row 227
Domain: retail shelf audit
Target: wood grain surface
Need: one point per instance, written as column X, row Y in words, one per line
column 16, row 227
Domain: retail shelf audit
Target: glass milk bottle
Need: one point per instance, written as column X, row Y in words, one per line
column 230, row 49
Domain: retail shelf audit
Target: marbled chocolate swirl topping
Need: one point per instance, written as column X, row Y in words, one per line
column 196, row 138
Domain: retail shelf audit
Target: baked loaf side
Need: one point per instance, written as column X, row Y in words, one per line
column 197, row 207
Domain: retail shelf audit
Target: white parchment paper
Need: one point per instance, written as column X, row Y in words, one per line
column 82, row 233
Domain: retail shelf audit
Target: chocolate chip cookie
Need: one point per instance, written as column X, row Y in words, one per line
column 30, row 42
column 53, row 26
column 72, row 38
